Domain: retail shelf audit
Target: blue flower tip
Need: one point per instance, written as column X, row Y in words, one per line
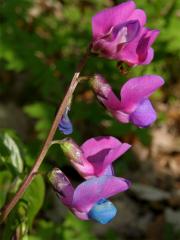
column 65, row 125
column 144, row 115
column 103, row 211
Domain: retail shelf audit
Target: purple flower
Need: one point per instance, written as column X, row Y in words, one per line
column 133, row 104
column 119, row 34
column 89, row 199
column 65, row 124
column 95, row 156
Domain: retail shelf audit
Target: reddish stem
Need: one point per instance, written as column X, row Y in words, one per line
column 11, row 204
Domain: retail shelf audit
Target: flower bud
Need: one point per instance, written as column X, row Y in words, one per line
column 65, row 124
column 61, row 185
column 100, row 86
column 58, row 179
column 104, row 92
column 72, row 150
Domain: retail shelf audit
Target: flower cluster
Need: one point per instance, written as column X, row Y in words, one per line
column 93, row 160
column 119, row 33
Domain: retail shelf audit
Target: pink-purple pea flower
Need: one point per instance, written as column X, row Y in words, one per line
column 89, row 199
column 133, row 105
column 95, row 156
column 119, row 34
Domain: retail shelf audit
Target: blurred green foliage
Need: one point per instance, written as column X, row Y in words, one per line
column 41, row 43
column 22, row 216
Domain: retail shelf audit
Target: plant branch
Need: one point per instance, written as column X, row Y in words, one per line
column 11, row 204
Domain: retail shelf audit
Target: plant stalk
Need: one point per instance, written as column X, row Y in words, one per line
column 11, row 204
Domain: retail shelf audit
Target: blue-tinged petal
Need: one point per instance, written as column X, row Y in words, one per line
column 144, row 115
column 103, row 211
column 109, row 170
column 65, row 124
column 94, row 189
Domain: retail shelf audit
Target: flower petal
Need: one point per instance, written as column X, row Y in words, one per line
column 121, row 116
column 144, row 115
column 80, row 215
column 65, row 124
column 76, row 156
column 122, row 33
column 128, row 52
column 139, row 15
column 91, row 191
column 103, row 21
column 109, row 170
column 95, row 145
column 145, row 42
column 138, row 89
column 149, row 57
column 136, row 51
column 102, row 151
column 103, row 211
column 126, row 32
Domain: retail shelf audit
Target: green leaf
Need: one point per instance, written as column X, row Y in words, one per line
column 75, row 229
column 10, row 153
column 34, row 196
column 23, row 214
column 4, row 151
column 46, row 230
column 44, row 114
column 5, row 180
column 31, row 238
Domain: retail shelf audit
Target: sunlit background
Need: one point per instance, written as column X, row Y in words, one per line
column 41, row 42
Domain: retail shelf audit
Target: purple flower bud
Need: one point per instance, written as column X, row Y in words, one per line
column 65, row 124
column 61, row 185
column 72, row 150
